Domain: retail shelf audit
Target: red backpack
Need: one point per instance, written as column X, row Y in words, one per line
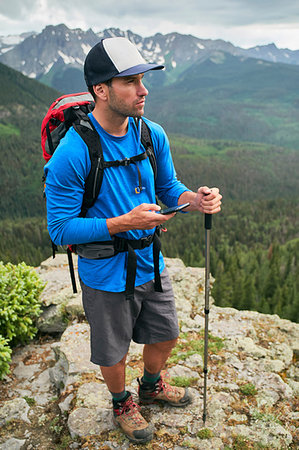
column 60, row 117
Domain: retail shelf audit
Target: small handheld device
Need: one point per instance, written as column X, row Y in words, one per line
column 174, row 209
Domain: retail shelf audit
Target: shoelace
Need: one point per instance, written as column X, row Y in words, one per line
column 132, row 409
column 167, row 388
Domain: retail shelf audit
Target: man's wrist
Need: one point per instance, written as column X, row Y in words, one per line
column 188, row 196
column 118, row 224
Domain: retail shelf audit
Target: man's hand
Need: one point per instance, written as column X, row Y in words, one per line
column 143, row 217
column 206, row 200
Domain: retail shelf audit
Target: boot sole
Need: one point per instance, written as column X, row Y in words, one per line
column 132, row 439
column 153, row 401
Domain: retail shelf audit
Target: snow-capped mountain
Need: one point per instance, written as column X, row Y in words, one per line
column 56, row 55
column 9, row 42
column 271, row 53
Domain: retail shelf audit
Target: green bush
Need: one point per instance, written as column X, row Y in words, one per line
column 20, row 288
column 5, row 354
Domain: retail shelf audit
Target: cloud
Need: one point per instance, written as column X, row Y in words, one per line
column 242, row 22
column 189, row 12
column 15, row 10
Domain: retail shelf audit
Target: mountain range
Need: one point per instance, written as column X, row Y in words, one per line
column 210, row 88
column 58, row 53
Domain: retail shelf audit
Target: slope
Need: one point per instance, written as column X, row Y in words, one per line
column 23, row 103
column 228, row 97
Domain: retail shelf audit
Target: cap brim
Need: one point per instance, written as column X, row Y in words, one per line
column 141, row 68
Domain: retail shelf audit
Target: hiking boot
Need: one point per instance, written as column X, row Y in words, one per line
column 163, row 392
column 126, row 415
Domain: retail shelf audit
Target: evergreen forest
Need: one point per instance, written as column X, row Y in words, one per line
column 254, row 240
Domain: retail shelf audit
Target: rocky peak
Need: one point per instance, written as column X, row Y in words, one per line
column 35, row 55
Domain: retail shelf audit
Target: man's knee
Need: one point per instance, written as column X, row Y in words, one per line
column 117, row 365
column 165, row 346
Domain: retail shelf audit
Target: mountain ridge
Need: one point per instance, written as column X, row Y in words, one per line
column 42, row 55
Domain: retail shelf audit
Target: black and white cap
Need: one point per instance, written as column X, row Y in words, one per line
column 114, row 57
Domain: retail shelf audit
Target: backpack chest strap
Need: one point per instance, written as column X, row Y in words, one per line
column 126, row 162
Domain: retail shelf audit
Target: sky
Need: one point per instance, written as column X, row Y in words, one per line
column 245, row 23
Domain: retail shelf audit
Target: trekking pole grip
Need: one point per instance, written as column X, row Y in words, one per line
column 208, row 221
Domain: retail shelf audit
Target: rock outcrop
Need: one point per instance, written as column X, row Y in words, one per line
column 253, row 378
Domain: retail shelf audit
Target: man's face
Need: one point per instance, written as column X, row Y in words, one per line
column 127, row 96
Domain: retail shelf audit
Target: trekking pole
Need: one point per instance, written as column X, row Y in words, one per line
column 208, row 226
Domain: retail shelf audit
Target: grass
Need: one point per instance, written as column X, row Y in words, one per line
column 193, row 343
column 265, row 417
column 30, row 401
column 54, row 425
column 241, row 442
column 184, row 381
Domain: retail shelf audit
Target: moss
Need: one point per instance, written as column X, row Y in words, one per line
column 205, row 433
column 183, row 381
column 248, row 389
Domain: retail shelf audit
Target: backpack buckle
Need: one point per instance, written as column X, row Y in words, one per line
column 146, row 241
column 127, row 161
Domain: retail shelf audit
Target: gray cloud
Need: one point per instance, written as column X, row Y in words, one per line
column 236, row 20
column 228, row 12
column 18, row 10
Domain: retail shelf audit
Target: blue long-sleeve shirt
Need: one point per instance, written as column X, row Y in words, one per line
column 65, row 178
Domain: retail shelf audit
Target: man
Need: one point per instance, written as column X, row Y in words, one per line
column 126, row 208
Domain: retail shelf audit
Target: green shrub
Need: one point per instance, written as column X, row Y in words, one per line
column 20, row 289
column 5, row 354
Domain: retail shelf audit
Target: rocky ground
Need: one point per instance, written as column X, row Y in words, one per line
column 54, row 398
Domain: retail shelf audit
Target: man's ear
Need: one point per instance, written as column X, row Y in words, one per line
column 101, row 91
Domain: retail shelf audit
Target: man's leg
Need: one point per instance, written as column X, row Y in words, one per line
column 125, row 411
column 156, row 355
column 114, row 376
column 117, row 334
column 151, row 386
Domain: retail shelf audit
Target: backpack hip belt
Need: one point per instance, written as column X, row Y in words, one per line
column 108, row 249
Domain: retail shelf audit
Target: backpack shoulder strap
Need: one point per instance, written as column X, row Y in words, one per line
column 93, row 182
column 147, row 143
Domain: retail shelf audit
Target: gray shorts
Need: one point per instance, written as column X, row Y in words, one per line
column 114, row 321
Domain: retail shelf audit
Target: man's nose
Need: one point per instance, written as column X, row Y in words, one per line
column 142, row 91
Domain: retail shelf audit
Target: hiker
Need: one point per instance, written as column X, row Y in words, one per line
column 125, row 212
